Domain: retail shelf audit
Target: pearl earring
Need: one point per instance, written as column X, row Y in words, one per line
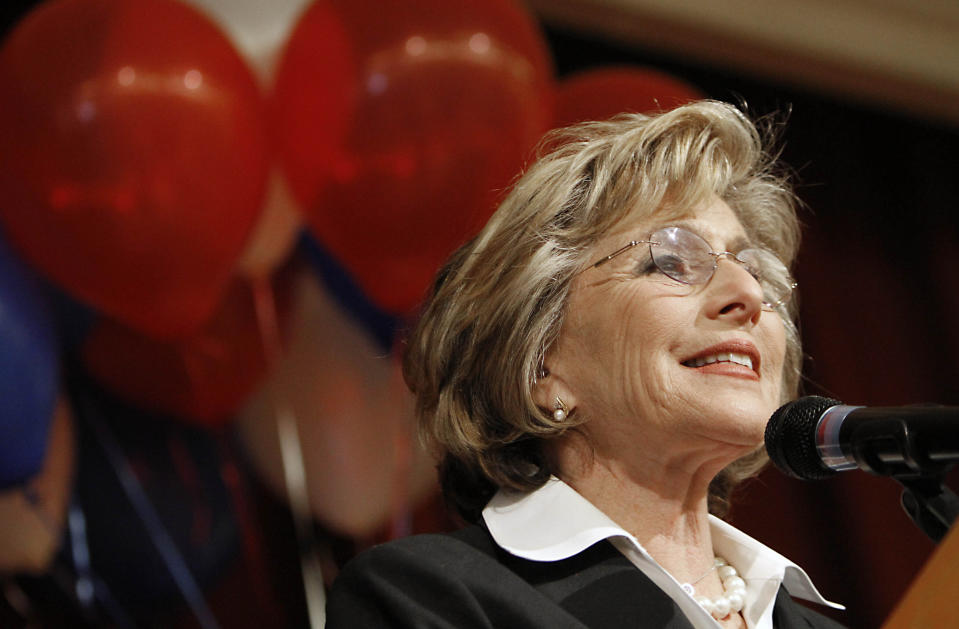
column 561, row 411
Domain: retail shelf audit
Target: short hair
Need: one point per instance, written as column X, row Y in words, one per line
column 499, row 303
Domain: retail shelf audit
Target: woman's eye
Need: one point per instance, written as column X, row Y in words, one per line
column 645, row 266
column 671, row 264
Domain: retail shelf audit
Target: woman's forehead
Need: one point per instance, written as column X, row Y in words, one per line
column 713, row 220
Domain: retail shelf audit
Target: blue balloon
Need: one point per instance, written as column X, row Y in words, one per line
column 28, row 370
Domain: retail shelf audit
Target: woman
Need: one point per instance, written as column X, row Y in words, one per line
column 595, row 371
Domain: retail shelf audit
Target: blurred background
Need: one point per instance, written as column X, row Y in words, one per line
column 218, row 219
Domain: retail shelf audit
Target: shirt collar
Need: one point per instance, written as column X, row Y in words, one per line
column 551, row 523
column 555, row 522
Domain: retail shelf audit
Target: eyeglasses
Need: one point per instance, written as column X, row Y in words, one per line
column 686, row 257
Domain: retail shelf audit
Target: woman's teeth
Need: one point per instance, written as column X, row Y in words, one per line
column 739, row 359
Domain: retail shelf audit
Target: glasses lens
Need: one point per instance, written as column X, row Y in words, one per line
column 685, row 257
column 770, row 272
column 681, row 255
column 753, row 260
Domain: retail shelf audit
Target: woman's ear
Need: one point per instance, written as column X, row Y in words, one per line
column 550, row 392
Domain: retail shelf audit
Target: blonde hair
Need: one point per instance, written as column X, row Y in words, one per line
column 499, row 302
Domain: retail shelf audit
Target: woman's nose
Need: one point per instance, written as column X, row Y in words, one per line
column 733, row 292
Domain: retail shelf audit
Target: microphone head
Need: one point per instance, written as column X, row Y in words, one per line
column 791, row 438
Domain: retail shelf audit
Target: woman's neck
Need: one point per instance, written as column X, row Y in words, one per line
column 663, row 504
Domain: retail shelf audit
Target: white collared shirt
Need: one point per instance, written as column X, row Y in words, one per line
column 554, row 522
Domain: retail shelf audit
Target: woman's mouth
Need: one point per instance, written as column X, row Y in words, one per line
column 739, row 359
column 732, row 358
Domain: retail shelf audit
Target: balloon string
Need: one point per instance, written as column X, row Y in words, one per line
column 252, row 543
column 86, row 585
column 264, row 303
column 161, row 539
column 84, row 588
column 185, row 468
column 291, row 454
column 294, row 474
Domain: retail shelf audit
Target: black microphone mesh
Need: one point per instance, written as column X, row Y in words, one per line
column 791, row 438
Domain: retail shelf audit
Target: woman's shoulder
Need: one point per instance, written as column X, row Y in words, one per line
column 421, row 580
column 444, row 550
column 438, row 580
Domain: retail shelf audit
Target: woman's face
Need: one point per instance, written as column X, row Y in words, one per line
column 646, row 359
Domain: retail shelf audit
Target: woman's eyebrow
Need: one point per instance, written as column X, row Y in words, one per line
column 738, row 243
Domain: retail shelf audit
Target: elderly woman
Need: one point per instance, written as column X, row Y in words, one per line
column 595, row 371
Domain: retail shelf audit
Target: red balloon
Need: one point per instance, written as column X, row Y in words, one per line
column 601, row 93
column 135, row 156
column 400, row 123
column 202, row 378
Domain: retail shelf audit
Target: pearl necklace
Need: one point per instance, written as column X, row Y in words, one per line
column 734, row 591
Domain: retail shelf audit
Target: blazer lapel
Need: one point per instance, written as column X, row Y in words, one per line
column 599, row 587
column 602, row 589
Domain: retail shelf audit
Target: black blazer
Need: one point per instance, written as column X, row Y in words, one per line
column 464, row 580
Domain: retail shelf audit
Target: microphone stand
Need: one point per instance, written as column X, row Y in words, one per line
column 930, row 504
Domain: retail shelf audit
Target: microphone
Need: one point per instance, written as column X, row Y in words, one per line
column 814, row 437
